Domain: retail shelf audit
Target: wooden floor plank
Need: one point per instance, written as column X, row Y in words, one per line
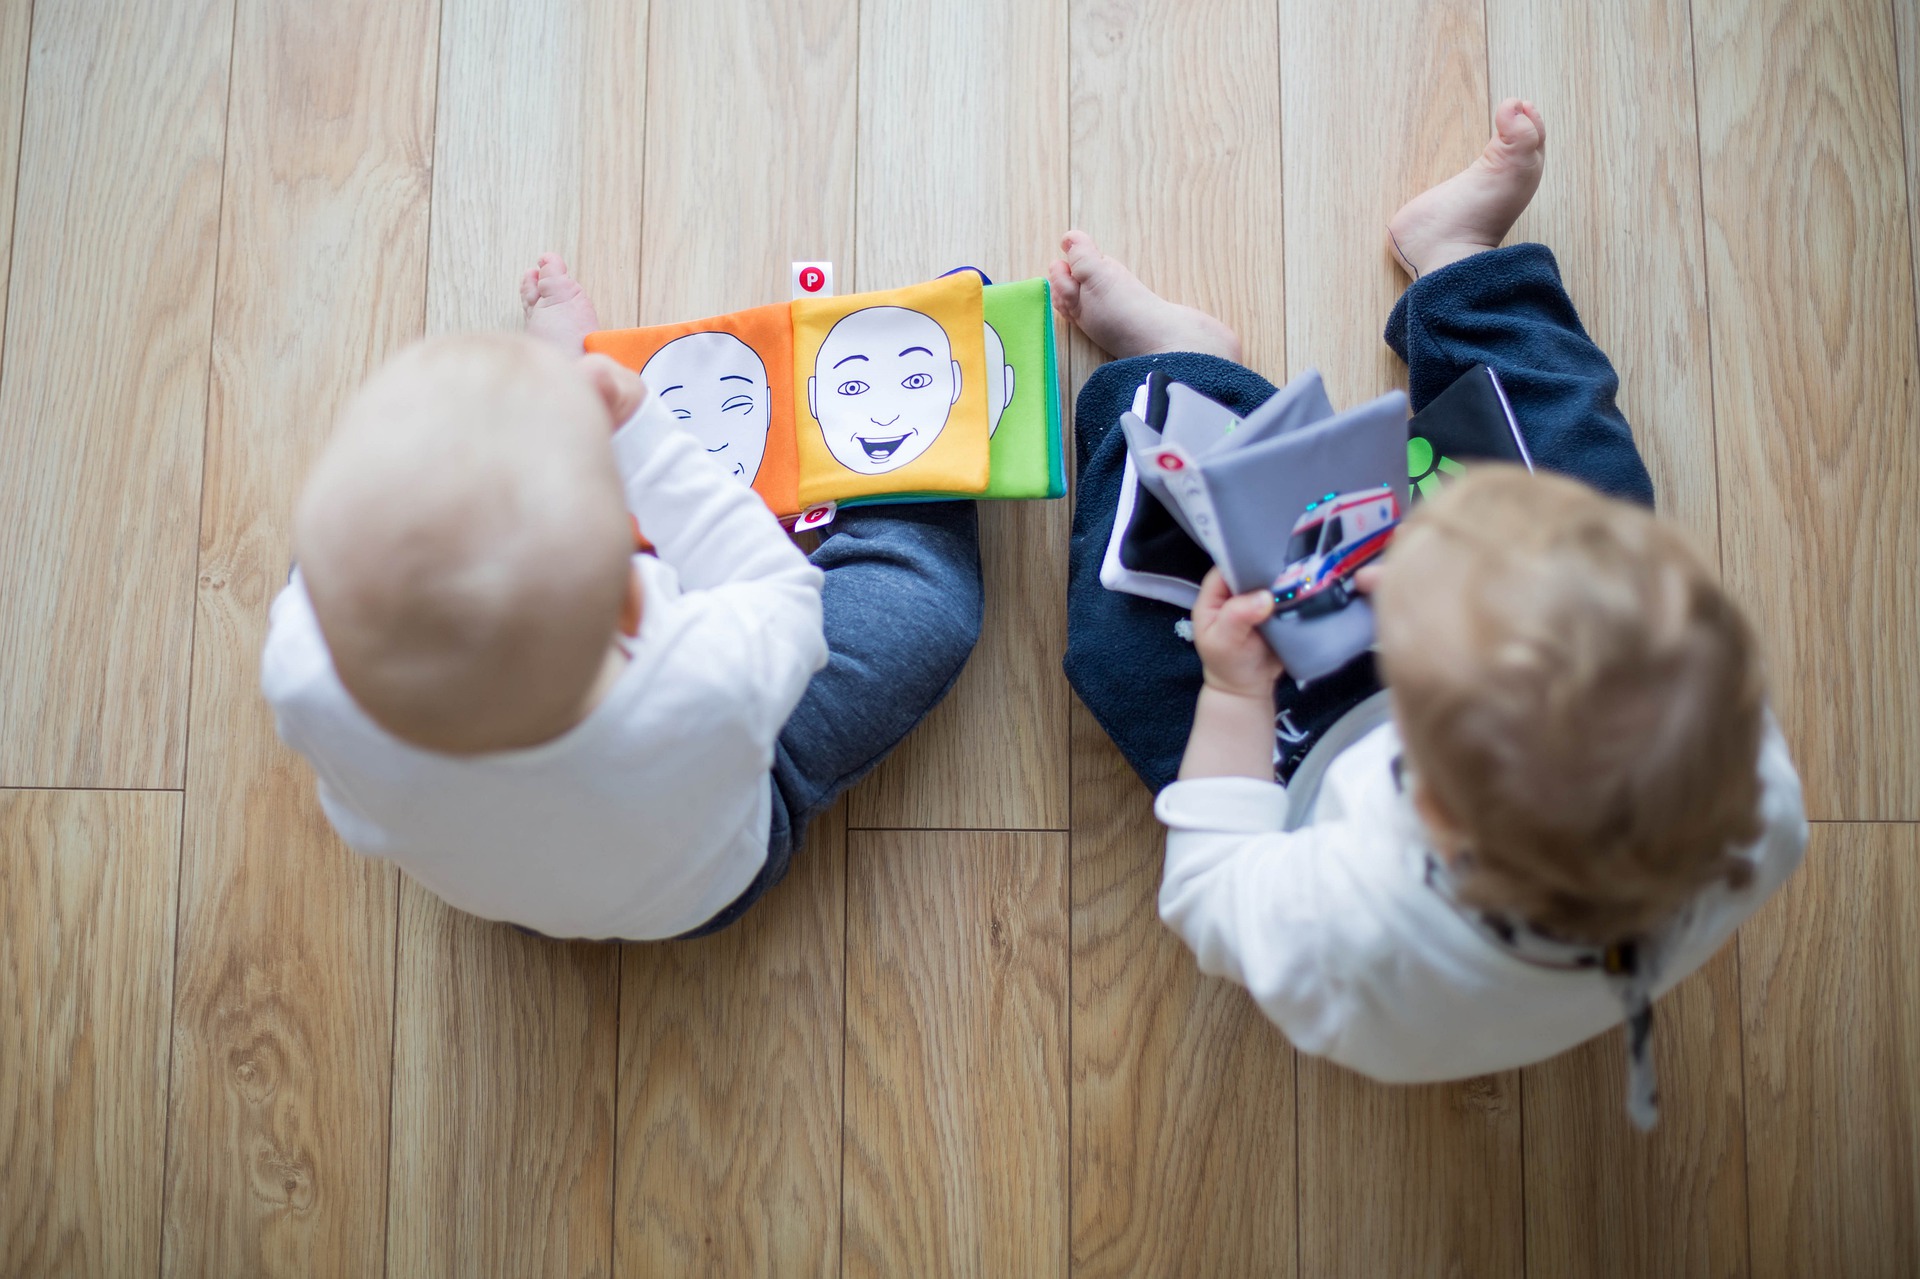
column 730, row 1091
column 1176, row 157
column 504, row 1045
column 15, row 25
column 1615, row 84
column 770, row 161
column 730, row 1087
column 1604, row 1200
column 538, row 145
column 963, row 161
column 1183, row 1123
column 1809, row 263
column 103, row 397
column 503, row 1079
column 1381, row 1191
column 1906, row 18
column 1348, row 167
column 1413, row 1180
column 1830, row 999
column 86, row 941
column 956, row 1123
column 282, row 1052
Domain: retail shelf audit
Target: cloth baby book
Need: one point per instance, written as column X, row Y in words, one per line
column 1294, row 499
column 1153, row 554
column 947, row 389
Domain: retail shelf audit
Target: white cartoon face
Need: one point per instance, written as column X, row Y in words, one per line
column 882, row 385
column 999, row 380
column 716, row 386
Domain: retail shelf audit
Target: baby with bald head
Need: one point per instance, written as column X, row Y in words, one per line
column 466, row 544
column 538, row 722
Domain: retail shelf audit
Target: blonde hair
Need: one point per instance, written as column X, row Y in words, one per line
column 1579, row 699
column 465, row 543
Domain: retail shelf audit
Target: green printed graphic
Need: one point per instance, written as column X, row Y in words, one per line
column 1423, row 470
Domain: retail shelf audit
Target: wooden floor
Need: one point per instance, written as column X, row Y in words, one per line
column 957, row 1039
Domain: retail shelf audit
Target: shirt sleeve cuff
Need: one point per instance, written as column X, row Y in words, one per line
column 1233, row 804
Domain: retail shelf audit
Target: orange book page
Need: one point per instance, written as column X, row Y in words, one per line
column 729, row 381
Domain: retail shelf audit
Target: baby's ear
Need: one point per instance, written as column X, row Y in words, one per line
column 618, row 386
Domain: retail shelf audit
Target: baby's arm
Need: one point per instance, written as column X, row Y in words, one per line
column 1233, row 720
column 710, row 527
column 758, row 596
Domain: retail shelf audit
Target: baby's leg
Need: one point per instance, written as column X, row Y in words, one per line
column 1472, row 302
column 902, row 603
column 558, row 310
column 1123, row 316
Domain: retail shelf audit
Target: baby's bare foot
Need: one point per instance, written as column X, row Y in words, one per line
column 1123, row 316
column 1473, row 210
column 558, row 309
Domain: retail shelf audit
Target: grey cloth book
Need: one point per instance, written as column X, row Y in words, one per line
column 1294, row 499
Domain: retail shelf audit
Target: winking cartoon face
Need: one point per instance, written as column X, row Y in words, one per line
column 882, row 385
column 716, row 386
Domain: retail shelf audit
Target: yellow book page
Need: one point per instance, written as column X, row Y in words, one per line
column 892, row 391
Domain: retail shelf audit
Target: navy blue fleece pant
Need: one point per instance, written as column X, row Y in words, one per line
column 1506, row 309
column 901, row 605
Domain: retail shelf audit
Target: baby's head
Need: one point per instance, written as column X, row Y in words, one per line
column 465, row 541
column 1580, row 703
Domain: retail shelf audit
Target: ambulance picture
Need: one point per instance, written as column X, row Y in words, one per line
column 1335, row 536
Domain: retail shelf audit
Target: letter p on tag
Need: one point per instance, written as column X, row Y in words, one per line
column 813, row 279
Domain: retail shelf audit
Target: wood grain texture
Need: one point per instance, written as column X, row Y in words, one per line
column 1381, row 1189
column 730, row 1085
column 1620, row 208
column 282, row 1049
column 1830, row 998
column 956, row 1107
column 503, row 1079
column 1183, row 1123
column 729, row 1080
column 1185, row 91
column 742, row 183
column 1354, row 156
column 954, row 173
column 103, row 397
column 538, row 145
column 1409, row 1180
column 1810, row 273
column 1906, row 33
column 505, row 1045
column 86, row 941
column 15, row 23
column 1605, row 1200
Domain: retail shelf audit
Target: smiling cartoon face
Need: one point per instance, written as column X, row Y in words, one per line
column 716, row 386
column 999, row 379
column 882, row 385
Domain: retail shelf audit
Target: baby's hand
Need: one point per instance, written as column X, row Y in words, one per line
column 618, row 386
column 1232, row 653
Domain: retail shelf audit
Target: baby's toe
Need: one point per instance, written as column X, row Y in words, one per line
column 530, row 287
column 551, row 266
column 1083, row 255
column 1518, row 126
column 1066, row 289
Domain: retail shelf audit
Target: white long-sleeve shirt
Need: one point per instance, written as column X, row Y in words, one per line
column 651, row 814
column 1337, row 934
